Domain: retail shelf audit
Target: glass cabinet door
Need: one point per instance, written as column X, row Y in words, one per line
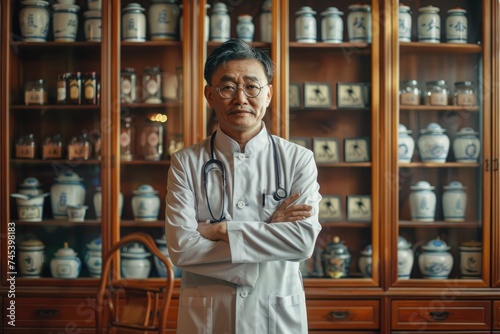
column 443, row 144
column 331, row 110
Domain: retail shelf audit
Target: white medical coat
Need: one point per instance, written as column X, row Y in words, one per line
column 251, row 284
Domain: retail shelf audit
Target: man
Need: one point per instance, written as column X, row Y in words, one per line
column 242, row 209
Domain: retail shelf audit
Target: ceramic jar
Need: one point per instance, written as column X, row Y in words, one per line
column 429, row 25
column 220, row 23
column 245, row 28
column 163, row 19
column 404, row 18
column 435, row 261
column 76, row 213
column 93, row 257
column 34, row 19
column 422, row 202
column 30, row 207
column 406, row 144
column 30, row 257
column 336, row 259
column 94, row 4
column 466, row 146
column 30, row 186
column 454, row 202
column 365, row 261
column 405, row 258
column 133, row 23
column 97, row 200
column 359, row 24
column 65, row 22
column 305, row 25
column 145, row 203
column 266, row 22
column 332, row 26
column 456, row 26
column 433, row 144
column 68, row 190
column 134, row 263
column 471, row 259
column 160, row 266
column 92, row 25
column 65, row 263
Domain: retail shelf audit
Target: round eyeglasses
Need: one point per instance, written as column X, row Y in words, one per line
column 228, row 89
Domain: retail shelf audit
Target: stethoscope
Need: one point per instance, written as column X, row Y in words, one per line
column 279, row 194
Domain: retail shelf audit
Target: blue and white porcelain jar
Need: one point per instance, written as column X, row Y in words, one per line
column 359, row 24
column 365, row 261
column 93, row 25
column 405, row 258
column 433, row 144
column 65, row 22
column 34, row 19
column 67, row 191
column 404, row 28
column 160, row 266
column 406, row 144
column 466, row 146
column 435, row 261
column 31, row 257
column 305, row 25
column 163, row 19
column 266, row 22
column 422, row 202
column 429, row 25
column 145, row 203
column 245, row 28
column 65, row 263
column 93, row 258
column 332, row 26
column 336, row 259
column 133, row 23
column 135, row 262
column 454, row 202
column 220, row 23
column 456, row 26
column 471, row 259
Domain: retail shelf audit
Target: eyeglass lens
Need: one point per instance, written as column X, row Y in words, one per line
column 229, row 89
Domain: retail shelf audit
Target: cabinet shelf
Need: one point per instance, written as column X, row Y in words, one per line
column 55, row 45
column 345, row 164
column 151, row 44
column 146, row 162
column 57, row 161
column 65, row 223
column 440, row 224
column 135, row 223
column 168, row 104
column 330, row 46
column 440, row 108
column 437, row 165
column 345, row 224
column 419, row 47
column 65, row 107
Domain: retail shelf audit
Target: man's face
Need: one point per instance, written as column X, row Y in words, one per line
column 240, row 113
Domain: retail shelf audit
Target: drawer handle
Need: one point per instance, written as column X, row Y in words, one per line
column 46, row 313
column 338, row 315
column 439, row 315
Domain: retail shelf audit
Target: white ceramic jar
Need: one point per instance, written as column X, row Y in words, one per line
column 433, row 144
column 30, row 207
column 94, row 4
column 93, row 257
column 305, row 25
column 266, row 22
column 406, row 144
column 34, row 19
column 405, row 258
column 454, row 202
column 245, row 28
column 97, row 200
column 30, row 257
column 220, row 23
column 359, row 24
column 135, row 262
column 65, row 22
column 456, row 26
column 332, row 26
column 68, row 190
column 160, row 266
column 435, row 261
column 145, row 203
column 404, row 28
column 365, row 261
column 65, row 263
column 163, row 19
column 92, row 25
column 133, row 23
column 466, row 146
column 429, row 25
column 30, row 186
column 76, row 213
column 471, row 259
column 422, row 202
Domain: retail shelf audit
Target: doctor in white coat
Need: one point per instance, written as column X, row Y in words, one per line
column 241, row 209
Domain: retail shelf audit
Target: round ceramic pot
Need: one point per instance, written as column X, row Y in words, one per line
column 406, row 144
column 65, row 22
column 433, row 144
column 365, row 261
column 31, row 257
column 97, row 200
column 160, row 266
column 65, row 263
column 466, row 146
column 245, row 28
column 133, row 23
column 359, row 24
column 332, row 26
column 220, row 23
column 405, row 258
column 429, row 25
column 305, row 25
column 67, row 191
column 422, row 202
column 471, row 259
column 454, row 202
column 92, row 25
column 93, row 257
column 163, row 19
column 266, row 22
column 30, row 186
column 77, row 213
column 30, row 207
column 435, row 262
column 404, row 17
column 34, row 19
column 134, row 263
column 336, row 259
column 145, row 203
column 456, row 26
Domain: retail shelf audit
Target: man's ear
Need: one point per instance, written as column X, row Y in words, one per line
column 208, row 95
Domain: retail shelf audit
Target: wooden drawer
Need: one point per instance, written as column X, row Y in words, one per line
column 436, row 314
column 53, row 312
column 343, row 314
column 496, row 315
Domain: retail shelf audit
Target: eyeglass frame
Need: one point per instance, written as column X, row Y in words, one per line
column 237, row 88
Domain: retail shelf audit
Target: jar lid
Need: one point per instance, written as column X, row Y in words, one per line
column 429, row 9
column 404, row 7
column 332, row 10
column 30, row 183
column 95, row 244
column 367, row 251
column 433, row 128
column 422, row 185
column 436, row 245
column 68, row 176
column 245, row 17
column 464, row 83
column 31, row 244
column 403, row 243
column 305, row 10
column 133, row 6
column 411, row 82
column 454, row 185
column 135, row 250
column 402, row 129
column 66, row 7
column 145, row 189
column 466, row 132
column 457, row 10
column 35, row 3
column 472, row 244
column 441, row 83
column 267, row 5
column 66, row 251
column 219, row 7
column 92, row 14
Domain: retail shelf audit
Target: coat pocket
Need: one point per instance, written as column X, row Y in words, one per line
column 195, row 315
column 288, row 314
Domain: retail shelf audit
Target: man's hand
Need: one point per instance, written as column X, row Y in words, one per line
column 214, row 232
column 289, row 213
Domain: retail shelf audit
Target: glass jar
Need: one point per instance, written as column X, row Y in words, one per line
column 52, row 147
column 152, row 85
column 90, row 88
column 152, row 140
column 465, row 94
column 128, row 82
column 127, row 135
column 80, row 148
column 35, row 92
column 74, row 84
column 62, row 88
column 409, row 93
column 26, row 147
column 436, row 93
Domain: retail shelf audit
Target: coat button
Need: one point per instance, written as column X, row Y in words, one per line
column 241, row 156
column 241, row 204
column 244, row 294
